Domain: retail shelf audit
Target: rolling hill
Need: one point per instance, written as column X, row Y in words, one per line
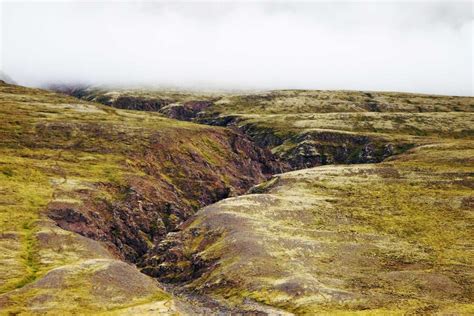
column 135, row 201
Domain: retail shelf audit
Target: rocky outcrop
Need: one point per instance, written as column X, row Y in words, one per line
column 322, row 148
column 140, row 104
column 169, row 262
column 313, row 148
column 186, row 111
column 176, row 182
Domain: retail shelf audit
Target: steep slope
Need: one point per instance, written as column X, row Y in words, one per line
column 389, row 238
column 309, row 128
column 121, row 178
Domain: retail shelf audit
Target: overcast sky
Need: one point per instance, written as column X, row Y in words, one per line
column 398, row 46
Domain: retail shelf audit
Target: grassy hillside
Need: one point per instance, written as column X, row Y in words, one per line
column 86, row 188
column 310, row 128
column 389, row 238
column 123, row 178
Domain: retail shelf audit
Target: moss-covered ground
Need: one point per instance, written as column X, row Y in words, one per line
column 59, row 150
column 41, row 163
column 287, row 120
column 390, row 238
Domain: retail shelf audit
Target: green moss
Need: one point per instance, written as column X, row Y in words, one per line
column 30, row 256
column 26, row 190
column 389, row 238
column 337, row 228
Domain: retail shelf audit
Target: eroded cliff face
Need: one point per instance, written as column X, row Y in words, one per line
column 84, row 185
column 174, row 176
column 300, row 149
column 308, row 128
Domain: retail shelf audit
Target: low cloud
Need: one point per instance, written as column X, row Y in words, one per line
column 418, row 47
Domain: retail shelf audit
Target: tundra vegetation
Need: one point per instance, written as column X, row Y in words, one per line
column 84, row 186
column 357, row 202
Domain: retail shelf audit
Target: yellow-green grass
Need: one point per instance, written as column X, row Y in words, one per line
column 29, row 180
column 283, row 119
column 455, row 124
column 344, row 239
column 294, row 101
column 384, row 239
column 55, row 148
column 96, row 286
column 327, row 101
column 391, row 238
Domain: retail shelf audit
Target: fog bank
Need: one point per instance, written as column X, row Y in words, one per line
column 419, row 47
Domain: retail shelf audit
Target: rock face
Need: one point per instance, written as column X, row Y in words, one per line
column 131, row 103
column 170, row 262
column 176, row 106
column 186, row 111
column 307, row 149
column 175, row 184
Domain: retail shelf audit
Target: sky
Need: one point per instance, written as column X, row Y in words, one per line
column 424, row 47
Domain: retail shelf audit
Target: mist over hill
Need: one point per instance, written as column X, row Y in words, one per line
column 423, row 47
